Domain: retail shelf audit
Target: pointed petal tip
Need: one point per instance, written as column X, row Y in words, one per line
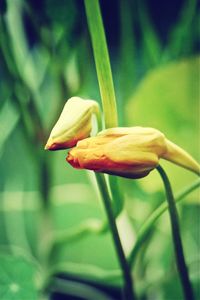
column 181, row 157
column 46, row 147
column 49, row 144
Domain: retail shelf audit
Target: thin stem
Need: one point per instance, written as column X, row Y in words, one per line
column 87, row 272
column 187, row 190
column 148, row 224
column 75, row 289
column 102, row 62
column 104, row 74
column 106, row 86
column 178, row 247
column 128, row 282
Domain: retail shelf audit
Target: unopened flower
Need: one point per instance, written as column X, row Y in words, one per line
column 74, row 123
column 128, row 152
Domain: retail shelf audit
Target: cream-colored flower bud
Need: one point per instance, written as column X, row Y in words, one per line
column 74, row 123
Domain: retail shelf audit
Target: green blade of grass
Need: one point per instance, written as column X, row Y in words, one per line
column 102, row 62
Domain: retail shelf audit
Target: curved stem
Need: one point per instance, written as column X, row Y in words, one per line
column 74, row 289
column 107, row 92
column 178, row 247
column 85, row 272
column 95, row 226
column 147, row 226
column 187, row 190
column 128, row 282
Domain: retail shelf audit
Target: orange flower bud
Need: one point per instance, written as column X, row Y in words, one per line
column 128, row 152
column 74, row 123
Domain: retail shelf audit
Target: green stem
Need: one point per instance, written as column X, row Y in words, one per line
column 178, row 247
column 128, row 282
column 148, row 224
column 74, row 289
column 106, row 86
column 85, row 272
column 102, row 62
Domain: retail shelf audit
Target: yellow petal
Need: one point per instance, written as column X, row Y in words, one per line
column 180, row 157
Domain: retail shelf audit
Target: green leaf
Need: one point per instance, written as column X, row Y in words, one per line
column 167, row 99
column 17, row 278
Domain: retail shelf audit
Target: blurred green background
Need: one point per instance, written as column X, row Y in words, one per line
column 46, row 58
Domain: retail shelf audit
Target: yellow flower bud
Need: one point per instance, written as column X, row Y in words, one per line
column 128, row 152
column 74, row 123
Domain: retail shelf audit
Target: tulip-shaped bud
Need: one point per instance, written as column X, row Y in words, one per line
column 74, row 123
column 128, row 152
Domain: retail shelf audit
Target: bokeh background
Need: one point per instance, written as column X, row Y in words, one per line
column 46, row 58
